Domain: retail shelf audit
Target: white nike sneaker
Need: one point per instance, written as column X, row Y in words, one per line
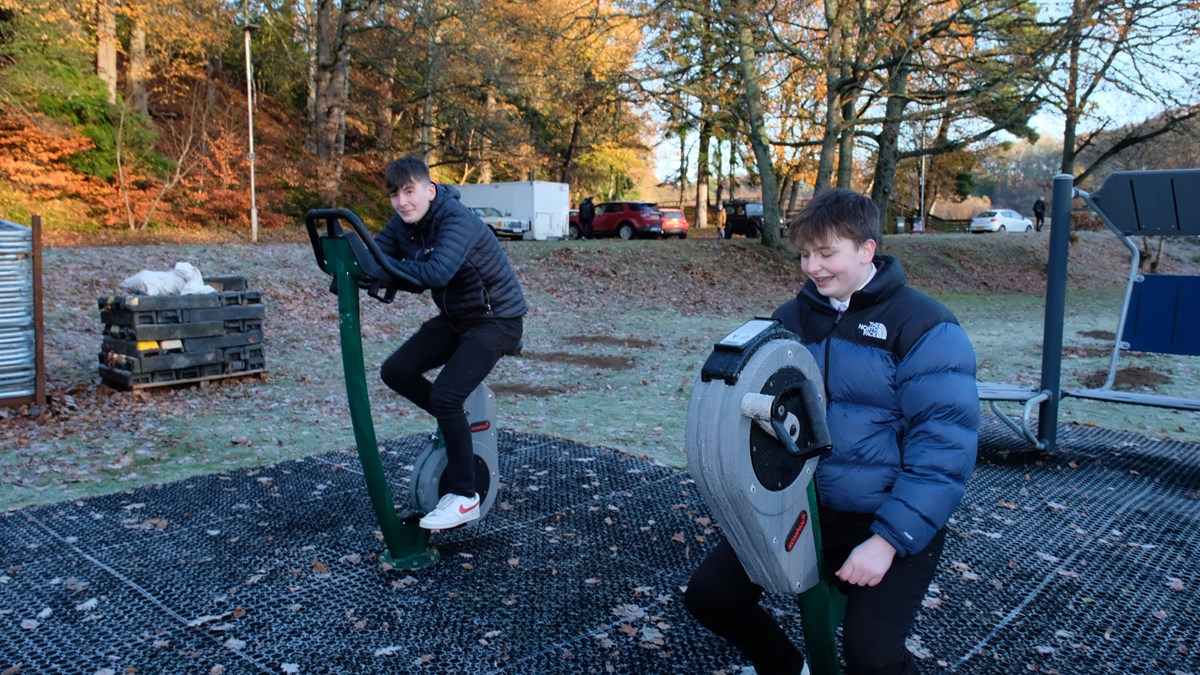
column 452, row 510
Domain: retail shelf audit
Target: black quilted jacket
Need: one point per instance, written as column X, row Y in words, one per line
column 454, row 255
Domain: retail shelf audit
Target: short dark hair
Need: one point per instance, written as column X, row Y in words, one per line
column 832, row 214
column 404, row 171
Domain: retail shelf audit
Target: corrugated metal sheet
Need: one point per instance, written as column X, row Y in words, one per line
column 17, row 347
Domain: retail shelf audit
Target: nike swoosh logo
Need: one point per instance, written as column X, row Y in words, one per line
column 467, row 510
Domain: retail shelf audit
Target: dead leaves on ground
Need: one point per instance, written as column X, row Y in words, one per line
column 637, row 625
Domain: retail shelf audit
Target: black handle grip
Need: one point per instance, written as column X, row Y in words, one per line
column 811, row 415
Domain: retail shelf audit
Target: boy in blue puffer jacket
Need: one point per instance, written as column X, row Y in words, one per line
column 903, row 409
column 441, row 243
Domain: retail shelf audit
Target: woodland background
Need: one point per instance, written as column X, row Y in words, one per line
column 130, row 116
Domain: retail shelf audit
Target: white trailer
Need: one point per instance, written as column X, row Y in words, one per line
column 545, row 206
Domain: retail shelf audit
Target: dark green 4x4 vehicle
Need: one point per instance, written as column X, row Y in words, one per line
column 744, row 218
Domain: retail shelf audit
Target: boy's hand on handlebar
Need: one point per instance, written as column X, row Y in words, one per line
column 868, row 562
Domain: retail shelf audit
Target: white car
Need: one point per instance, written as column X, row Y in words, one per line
column 1000, row 220
column 501, row 225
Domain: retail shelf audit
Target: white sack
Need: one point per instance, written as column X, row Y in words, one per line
column 183, row 280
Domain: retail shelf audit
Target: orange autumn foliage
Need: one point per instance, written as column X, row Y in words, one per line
column 207, row 185
column 32, row 157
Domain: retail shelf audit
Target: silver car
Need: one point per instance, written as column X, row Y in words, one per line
column 501, row 225
column 1000, row 220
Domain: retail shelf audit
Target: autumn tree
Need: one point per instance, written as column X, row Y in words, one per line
column 1119, row 55
column 968, row 68
column 694, row 78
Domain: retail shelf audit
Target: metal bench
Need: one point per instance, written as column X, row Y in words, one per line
column 1157, row 314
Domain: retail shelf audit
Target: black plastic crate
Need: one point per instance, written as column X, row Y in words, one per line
column 167, row 339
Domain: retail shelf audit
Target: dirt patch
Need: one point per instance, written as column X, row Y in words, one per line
column 586, row 360
column 1086, row 352
column 610, row 340
column 1129, row 379
column 526, row 390
column 1099, row 334
column 690, row 277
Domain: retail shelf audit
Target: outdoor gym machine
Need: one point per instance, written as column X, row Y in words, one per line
column 355, row 262
column 755, row 427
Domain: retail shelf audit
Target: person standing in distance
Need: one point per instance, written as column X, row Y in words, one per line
column 454, row 255
column 587, row 215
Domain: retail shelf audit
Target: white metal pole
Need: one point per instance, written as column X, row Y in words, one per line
column 250, row 110
column 921, row 206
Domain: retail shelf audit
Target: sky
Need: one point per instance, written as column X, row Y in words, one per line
column 1048, row 124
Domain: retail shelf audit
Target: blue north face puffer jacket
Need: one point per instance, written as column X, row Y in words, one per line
column 903, row 408
column 454, row 255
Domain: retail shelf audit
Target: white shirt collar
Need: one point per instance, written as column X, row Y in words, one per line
column 843, row 306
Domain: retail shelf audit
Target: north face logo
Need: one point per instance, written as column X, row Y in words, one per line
column 873, row 330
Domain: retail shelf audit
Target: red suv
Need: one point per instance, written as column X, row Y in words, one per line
column 674, row 223
column 627, row 220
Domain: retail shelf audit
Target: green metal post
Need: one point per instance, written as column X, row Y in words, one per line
column 821, row 607
column 407, row 544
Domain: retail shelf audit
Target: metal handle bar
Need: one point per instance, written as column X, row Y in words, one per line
column 332, row 218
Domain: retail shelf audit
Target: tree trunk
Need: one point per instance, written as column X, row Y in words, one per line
column 214, row 68
column 332, row 69
column 759, row 142
column 485, row 143
column 1071, row 111
column 572, row 151
column 702, row 175
column 385, row 117
column 683, row 164
column 833, row 82
column 425, row 142
column 139, row 68
column 829, row 138
column 310, row 65
column 793, row 198
column 883, row 184
column 733, row 160
column 106, row 45
column 720, row 174
column 342, row 75
column 1151, row 255
column 845, row 169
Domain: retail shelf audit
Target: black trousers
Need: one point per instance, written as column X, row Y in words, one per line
column 878, row 618
column 467, row 352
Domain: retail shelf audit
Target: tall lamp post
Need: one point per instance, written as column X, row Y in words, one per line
column 248, row 29
column 921, row 195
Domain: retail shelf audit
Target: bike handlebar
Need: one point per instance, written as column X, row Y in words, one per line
column 370, row 258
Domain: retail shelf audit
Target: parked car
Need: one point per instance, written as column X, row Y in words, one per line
column 627, row 220
column 573, row 226
column 500, row 224
column 674, row 223
column 1000, row 220
column 744, row 218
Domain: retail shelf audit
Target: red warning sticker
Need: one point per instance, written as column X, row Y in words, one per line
column 797, row 530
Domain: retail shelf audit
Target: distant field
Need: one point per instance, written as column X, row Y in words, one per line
column 614, row 338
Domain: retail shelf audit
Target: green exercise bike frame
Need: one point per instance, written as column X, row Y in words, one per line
column 355, row 263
